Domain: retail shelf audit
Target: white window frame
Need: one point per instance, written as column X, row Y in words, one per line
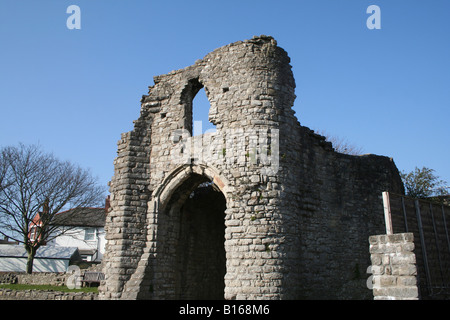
column 89, row 234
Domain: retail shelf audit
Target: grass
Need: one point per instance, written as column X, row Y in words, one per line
column 46, row 288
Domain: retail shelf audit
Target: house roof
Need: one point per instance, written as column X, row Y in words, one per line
column 81, row 217
column 45, row 252
column 7, row 241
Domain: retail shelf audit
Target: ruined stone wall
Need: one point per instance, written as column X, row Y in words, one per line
column 342, row 207
column 297, row 214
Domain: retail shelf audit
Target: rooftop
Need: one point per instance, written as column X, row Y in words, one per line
column 45, row 252
column 85, row 217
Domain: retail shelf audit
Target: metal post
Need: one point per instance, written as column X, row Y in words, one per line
column 422, row 242
column 436, row 239
column 445, row 226
column 446, row 284
column 404, row 214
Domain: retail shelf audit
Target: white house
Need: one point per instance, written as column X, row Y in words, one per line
column 82, row 228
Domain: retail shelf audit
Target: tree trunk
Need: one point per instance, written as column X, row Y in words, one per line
column 31, row 253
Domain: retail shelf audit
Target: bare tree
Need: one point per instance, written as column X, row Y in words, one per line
column 34, row 187
column 341, row 145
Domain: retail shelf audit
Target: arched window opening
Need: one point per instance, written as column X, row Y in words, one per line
column 200, row 112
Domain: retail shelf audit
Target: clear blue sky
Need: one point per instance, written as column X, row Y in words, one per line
column 75, row 91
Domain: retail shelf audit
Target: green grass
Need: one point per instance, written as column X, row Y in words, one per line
column 46, row 288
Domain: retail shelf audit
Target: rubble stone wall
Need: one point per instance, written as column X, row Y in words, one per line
column 9, row 294
column 39, row 278
column 297, row 214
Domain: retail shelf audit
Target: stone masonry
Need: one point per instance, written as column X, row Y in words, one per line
column 263, row 208
column 394, row 267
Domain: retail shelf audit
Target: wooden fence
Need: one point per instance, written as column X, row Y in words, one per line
column 430, row 223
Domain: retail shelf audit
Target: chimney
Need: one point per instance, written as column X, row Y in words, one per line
column 45, row 207
column 107, row 204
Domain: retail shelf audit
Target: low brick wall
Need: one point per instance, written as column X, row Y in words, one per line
column 393, row 267
column 8, row 294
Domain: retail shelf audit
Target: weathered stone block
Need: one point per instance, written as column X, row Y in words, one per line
column 397, row 292
column 393, row 271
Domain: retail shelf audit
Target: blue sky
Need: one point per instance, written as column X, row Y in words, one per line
column 75, row 91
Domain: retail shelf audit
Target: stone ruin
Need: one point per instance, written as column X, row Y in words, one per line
column 263, row 208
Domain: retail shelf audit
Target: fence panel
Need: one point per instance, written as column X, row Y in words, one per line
column 429, row 221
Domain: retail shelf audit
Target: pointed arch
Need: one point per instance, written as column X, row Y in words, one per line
column 174, row 179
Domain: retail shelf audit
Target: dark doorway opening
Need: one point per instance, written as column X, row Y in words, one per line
column 200, row 262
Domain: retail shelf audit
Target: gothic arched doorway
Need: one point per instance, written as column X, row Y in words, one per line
column 191, row 259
